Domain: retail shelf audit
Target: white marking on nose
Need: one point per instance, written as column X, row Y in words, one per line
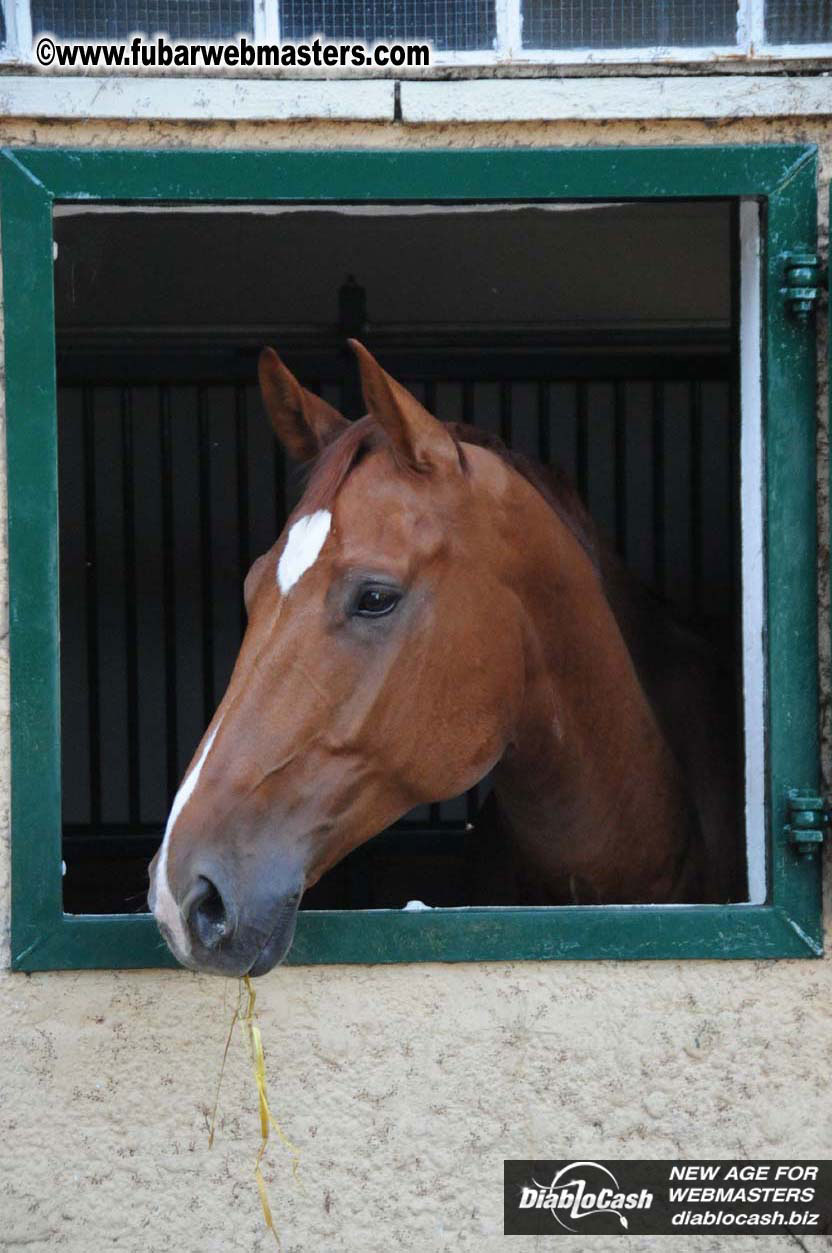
column 165, row 907
column 305, row 541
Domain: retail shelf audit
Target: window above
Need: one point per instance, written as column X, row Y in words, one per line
column 181, row 19
column 599, row 24
column 469, row 32
column 465, row 26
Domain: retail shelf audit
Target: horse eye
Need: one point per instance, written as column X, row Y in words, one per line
column 375, row 602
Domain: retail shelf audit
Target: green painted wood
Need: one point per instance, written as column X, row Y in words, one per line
column 379, row 936
column 791, row 509
column 783, row 176
column 485, row 174
column 31, row 447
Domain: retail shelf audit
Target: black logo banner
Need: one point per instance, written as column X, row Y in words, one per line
column 593, row 1197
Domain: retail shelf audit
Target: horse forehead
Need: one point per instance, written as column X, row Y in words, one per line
column 307, row 536
column 386, row 512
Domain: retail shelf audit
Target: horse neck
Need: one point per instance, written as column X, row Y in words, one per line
column 589, row 789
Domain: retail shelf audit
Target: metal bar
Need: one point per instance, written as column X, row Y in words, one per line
column 168, row 595
column 351, row 394
column 279, row 471
column 468, row 415
column 130, row 617
column 91, row 604
column 695, row 497
column 478, row 359
column 581, row 441
column 472, row 803
column 620, row 418
column 505, row 412
column 472, row 795
column 241, row 439
column 658, row 434
column 98, row 846
column 206, row 571
column 430, row 395
column 544, row 429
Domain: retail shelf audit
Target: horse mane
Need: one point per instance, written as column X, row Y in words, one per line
column 330, row 469
column 552, row 482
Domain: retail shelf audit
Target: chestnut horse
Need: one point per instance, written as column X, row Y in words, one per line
column 436, row 609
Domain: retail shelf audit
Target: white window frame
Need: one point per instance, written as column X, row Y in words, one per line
column 18, row 46
column 750, row 45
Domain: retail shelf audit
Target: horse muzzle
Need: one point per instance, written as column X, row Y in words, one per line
column 227, row 927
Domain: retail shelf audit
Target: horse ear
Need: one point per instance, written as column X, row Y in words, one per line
column 302, row 422
column 418, row 438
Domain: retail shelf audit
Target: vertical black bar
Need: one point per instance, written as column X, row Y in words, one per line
column 91, row 605
column 658, row 485
column 430, row 396
column 241, row 438
column 468, row 415
column 351, row 398
column 620, row 455
column 581, row 440
column 695, row 497
column 359, row 881
column 505, row 412
column 544, row 429
column 472, row 803
column 130, row 620
column 168, row 594
column 280, row 509
column 206, row 580
column 434, row 813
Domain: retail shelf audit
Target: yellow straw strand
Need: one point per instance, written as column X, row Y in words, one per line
column 267, row 1119
column 219, row 1080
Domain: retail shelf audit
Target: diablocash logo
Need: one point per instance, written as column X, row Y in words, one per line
column 577, row 1192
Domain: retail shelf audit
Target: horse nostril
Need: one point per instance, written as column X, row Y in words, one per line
column 206, row 913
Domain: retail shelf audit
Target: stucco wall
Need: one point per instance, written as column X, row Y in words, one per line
column 404, row 1087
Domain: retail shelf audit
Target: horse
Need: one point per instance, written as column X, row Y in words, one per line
column 436, row 610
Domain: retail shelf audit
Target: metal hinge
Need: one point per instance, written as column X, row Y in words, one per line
column 808, row 817
column 802, row 283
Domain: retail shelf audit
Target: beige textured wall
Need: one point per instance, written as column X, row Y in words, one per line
column 404, row 1087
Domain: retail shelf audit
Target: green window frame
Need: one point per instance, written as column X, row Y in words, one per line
column 782, row 178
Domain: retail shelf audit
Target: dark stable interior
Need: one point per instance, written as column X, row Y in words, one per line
column 602, row 338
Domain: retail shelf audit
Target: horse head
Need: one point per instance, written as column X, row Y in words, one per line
column 383, row 666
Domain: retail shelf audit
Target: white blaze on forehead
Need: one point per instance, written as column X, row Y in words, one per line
column 165, row 907
column 304, row 543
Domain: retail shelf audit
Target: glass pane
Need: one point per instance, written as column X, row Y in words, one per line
column 448, row 25
column 618, row 24
column 181, row 19
column 799, row 21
